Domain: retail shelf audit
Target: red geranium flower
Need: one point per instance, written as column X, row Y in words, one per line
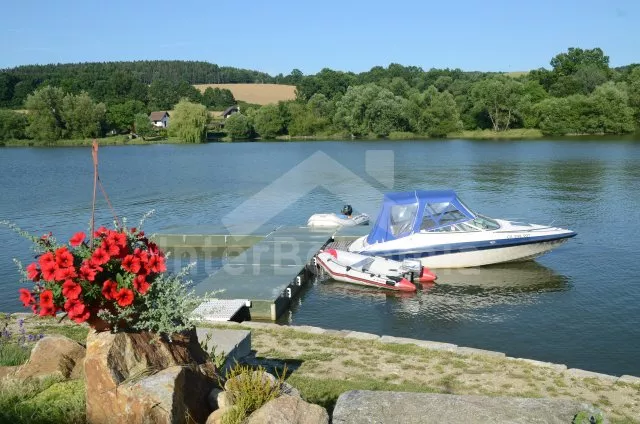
column 47, row 310
column 62, row 274
column 99, row 257
column 77, row 238
column 26, row 297
column 124, row 297
column 77, row 310
column 46, row 299
column 88, row 272
column 47, row 261
column 100, row 232
column 109, row 289
column 33, row 272
column 71, row 289
column 64, row 258
column 156, row 264
column 131, row 264
column 141, row 285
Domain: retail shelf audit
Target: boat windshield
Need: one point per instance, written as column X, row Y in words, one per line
column 479, row 223
column 441, row 216
column 402, row 218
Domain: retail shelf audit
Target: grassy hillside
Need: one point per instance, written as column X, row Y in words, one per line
column 260, row 94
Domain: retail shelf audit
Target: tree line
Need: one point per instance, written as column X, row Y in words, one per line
column 580, row 94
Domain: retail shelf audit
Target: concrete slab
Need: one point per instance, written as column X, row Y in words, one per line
column 362, row 406
column 235, row 344
column 474, row 351
column 629, row 379
column 556, row 367
column 361, row 336
column 576, row 372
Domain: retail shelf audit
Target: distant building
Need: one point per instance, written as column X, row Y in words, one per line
column 159, row 119
column 230, row 111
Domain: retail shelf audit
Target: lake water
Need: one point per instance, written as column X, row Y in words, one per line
column 578, row 305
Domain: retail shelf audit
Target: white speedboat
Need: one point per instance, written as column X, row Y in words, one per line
column 411, row 269
column 442, row 232
column 357, row 275
column 331, row 220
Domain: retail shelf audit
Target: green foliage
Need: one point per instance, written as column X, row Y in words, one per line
column 42, row 401
column 498, row 97
column 83, row 118
column 189, row 122
column 121, row 116
column 217, row 99
column 584, row 417
column 604, row 112
column 12, row 353
column 269, row 122
column 142, row 125
column 167, row 306
column 218, row 359
column 45, row 114
column 249, row 390
column 239, row 127
column 54, row 115
column 565, row 64
column 366, row 109
column 434, row 113
column 12, row 124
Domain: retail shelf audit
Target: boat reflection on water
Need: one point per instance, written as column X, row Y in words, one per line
column 529, row 276
column 471, row 294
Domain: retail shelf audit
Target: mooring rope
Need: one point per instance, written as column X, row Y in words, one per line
column 96, row 180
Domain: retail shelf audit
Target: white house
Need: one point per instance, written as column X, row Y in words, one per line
column 159, row 119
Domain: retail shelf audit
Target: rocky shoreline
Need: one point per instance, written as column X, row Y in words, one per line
column 326, row 365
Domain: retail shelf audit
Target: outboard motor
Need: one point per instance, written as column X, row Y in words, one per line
column 347, row 210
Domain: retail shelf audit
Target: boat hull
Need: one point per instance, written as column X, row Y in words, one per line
column 473, row 255
column 346, row 274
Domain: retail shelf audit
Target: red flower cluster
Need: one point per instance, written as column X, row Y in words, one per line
column 118, row 270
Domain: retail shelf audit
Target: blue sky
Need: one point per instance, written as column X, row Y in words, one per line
column 278, row 36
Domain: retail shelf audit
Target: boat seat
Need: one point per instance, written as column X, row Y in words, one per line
column 363, row 264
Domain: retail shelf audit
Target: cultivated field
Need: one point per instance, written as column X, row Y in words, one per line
column 260, row 94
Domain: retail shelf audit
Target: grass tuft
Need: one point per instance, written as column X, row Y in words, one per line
column 42, row 402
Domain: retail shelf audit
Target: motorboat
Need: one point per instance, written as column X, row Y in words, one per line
column 331, row 220
column 411, row 269
column 360, row 275
column 437, row 228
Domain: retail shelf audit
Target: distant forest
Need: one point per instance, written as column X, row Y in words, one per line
column 579, row 94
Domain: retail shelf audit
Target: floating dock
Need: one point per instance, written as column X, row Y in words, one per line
column 269, row 271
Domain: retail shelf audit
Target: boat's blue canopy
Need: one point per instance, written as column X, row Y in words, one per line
column 408, row 212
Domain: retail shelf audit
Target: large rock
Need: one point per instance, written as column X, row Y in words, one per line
column 136, row 377
column 361, row 406
column 56, row 356
column 289, row 410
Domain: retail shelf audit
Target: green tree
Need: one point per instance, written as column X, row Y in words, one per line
column 499, row 98
column 82, row 116
column 189, row 122
column 216, row 98
column 614, row 113
column 163, row 95
column 12, row 125
column 238, row 127
column 633, row 89
column 121, row 116
column 269, row 122
column 142, row 125
column 434, row 113
column 566, row 64
column 45, row 114
column 370, row 109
